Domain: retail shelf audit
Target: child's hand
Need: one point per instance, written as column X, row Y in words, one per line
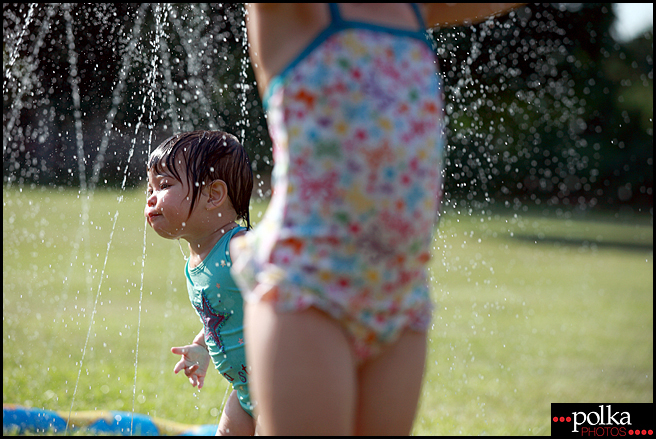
column 195, row 360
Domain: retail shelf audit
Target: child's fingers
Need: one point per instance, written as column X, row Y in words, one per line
column 179, row 366
column 179, row 350
column 191, row 369
column 196, row 380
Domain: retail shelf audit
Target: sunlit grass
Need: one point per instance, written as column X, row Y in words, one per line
column 522, row 323
column 531, row 309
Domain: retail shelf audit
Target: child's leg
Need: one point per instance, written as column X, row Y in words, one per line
column 234, row 420
column 303, row 371
column 389, row 387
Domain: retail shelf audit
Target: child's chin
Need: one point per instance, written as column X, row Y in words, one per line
column 162, row 233
column 167, row 235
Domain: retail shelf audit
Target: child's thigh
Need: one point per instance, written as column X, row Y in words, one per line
column 234, row 420
column 303, row 371
column 390, row 385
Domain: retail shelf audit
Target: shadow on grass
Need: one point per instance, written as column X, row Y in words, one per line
column 586, row 243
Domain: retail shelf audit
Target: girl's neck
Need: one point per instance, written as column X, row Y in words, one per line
column 199, row 249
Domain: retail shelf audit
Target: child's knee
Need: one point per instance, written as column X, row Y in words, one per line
column 234, row 420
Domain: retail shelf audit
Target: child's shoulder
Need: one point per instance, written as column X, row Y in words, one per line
column 239, row 233
column 235, row 245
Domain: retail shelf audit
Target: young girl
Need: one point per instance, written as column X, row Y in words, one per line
column 335, row 275
column 199, row 185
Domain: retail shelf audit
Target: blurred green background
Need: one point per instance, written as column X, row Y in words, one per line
column 532, row 308
column 542, row 270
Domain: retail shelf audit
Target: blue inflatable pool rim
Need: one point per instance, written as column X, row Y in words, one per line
column 17, row 419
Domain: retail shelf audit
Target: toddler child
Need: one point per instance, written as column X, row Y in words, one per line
column 199, row 185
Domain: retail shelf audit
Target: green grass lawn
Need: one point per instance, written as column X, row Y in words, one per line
column 531, row 309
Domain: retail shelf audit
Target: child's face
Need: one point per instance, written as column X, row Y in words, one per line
column 167, row 205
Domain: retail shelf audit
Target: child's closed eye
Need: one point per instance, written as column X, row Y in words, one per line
column 162, row 186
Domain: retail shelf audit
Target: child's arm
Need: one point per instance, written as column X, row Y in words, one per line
column 195, row 360
column 453, row 14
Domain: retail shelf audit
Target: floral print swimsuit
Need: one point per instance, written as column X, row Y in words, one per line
column 356, row 121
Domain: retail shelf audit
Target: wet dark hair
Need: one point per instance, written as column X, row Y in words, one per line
column 208, row 156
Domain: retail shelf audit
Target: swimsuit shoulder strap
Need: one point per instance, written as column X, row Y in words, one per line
column 415, row 7
column 335, row 16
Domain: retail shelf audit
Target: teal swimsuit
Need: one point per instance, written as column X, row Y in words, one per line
column 218, row 303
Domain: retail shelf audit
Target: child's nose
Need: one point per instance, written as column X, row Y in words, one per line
column 152, row 200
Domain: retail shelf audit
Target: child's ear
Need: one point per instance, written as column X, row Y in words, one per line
column 217, row 194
